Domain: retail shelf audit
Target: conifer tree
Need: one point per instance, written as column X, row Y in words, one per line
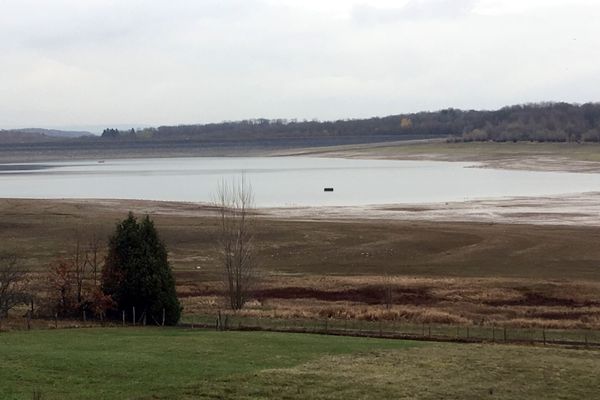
column 137, row 272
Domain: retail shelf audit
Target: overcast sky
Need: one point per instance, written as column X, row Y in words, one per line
column 70, row 63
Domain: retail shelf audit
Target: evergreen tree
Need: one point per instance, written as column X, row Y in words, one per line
column 137, row 272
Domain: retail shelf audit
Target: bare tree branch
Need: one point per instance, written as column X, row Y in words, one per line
column 235, row 201
column 13, row 289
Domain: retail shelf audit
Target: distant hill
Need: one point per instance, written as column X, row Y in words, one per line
column 557, row 122
column 38, row 135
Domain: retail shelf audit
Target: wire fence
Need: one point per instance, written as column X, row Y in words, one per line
column 400, row 330
column 124, row 318
column 348, row 327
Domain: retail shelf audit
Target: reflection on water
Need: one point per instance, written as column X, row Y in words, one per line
column 284, row 181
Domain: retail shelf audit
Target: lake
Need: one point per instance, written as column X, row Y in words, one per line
column 284, row 181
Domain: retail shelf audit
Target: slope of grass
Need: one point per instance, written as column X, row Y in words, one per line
column 433, row 372
column 142, row 363
column 179, row 364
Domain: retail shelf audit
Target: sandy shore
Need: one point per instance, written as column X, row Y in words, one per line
column 574, row 210
column 570, row 210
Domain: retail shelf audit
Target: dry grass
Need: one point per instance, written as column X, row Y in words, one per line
column 438, row 371
column 517, row 275
column 463, row 301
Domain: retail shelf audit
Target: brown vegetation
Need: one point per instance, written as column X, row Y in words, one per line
column 466, row 273
column 465, row 301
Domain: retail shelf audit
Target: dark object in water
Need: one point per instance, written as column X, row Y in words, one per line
column 328, row 189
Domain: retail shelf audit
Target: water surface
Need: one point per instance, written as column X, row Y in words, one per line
column 284, row 181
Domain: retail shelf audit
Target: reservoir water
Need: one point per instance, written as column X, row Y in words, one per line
column 284, row 181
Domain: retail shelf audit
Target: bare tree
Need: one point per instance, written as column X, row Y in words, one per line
column 235, row 201
column 12, row 284
column 79, row 269
column 62, row 280
column 86, row 262
column 93, row 259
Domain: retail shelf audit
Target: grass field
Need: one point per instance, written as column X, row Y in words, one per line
column 158, row 363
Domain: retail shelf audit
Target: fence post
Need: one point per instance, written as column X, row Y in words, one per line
column 163, row 319
column 544, row 335
column 123, row 314
column 133, row 316
column 28, row 320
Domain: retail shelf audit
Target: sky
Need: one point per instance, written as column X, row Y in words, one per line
column 94, row 63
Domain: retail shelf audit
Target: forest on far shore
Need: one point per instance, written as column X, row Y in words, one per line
column 553, row 122
column 542, row 122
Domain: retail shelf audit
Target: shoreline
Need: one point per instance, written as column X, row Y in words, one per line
column 574, row 209
column 581, row 209
column 404, row 151
column 549, row 157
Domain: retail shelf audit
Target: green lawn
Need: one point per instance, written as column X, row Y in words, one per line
column 140, row 363
column 178, row 364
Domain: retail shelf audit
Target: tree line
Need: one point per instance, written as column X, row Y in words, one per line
column 557, row 122
column 130, row 277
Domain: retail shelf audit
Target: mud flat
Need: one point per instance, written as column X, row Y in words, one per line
column 573, row 209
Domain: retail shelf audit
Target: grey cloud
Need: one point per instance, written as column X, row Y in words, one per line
column 73, row 62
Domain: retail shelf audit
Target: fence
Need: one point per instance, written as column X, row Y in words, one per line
column 400, row 330
column 85, row 319
column 352, row 327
